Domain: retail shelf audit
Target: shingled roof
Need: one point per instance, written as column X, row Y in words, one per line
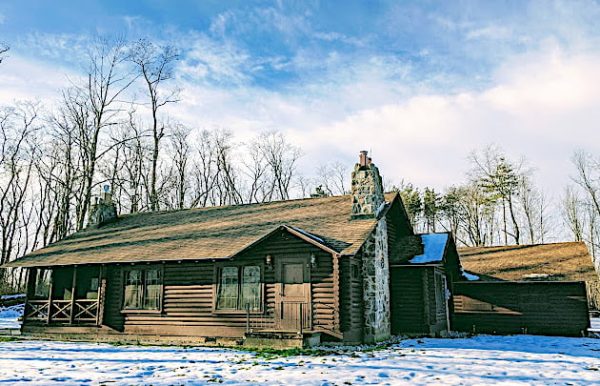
column 207, row 233
column 559, row 261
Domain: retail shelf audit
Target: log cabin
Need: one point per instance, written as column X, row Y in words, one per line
column 346, row 269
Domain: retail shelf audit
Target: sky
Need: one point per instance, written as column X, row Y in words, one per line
column 419, row 84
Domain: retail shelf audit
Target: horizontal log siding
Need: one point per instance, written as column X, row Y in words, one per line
column 113, row 297
column 396, row 229
column 351, row 300
column 408, row 300
column 188, row 294
column 547, row 308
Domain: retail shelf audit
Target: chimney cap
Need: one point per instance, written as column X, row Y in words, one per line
column 363, row 159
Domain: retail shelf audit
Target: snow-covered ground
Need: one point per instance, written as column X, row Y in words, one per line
column 9, row 316
column 480, row 360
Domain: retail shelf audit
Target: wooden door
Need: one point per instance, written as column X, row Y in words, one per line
column 293, row 295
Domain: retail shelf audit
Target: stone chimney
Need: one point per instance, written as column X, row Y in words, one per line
column 102, row 210
column 367, row 188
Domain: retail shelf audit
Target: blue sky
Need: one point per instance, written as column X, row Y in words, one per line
column 419, row 83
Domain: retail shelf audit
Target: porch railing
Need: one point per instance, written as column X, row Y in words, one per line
column 293, row 317
column 79, row 311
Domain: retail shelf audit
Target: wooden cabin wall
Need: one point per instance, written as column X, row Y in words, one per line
column 188, row 289
column 408, row 296
column 351, row 299
column 437, row 317
column 397, row 229
column 113, row 297
column 415, row 308
column 513, row 307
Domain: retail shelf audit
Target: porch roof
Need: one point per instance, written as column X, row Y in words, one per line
column 206, row 233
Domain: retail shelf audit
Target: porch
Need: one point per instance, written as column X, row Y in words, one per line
column 65, row 296
column 289, row 324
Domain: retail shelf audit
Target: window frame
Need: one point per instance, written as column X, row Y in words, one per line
column 218, row 267
column 143, row 269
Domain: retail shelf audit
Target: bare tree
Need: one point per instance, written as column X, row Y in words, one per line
column 500, row 177
column 571, row 209
column 255, row 168
column 180, row 155
column 588, row 178
column 155, row 65
column 97, row 106
column 4, row 48
column 333, row 177
column 281, row 156
column 204, row 170
column 20, row 151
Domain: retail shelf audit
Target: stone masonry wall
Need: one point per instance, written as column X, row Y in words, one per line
column 376, row 286
column 367, row 191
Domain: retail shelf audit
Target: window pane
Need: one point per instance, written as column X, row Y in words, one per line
column 42, row 284
column 227, row 298
column 133, row 289
column 251, row 293
column 152, row 290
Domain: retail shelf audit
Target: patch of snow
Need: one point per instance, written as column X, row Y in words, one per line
column 536, row 276
column 9, row 316
column 468, row 276
column 380, row 208
column 15, row 296
column 515, row 360
column 434, row 245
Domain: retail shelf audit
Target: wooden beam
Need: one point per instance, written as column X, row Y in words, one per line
column 73, row 294
column 101, row 296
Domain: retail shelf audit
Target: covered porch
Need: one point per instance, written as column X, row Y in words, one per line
column 68, row 295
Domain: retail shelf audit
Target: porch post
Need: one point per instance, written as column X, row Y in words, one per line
column 73, row 294
column 101, row 292
column 29, row 291
column 50, row 290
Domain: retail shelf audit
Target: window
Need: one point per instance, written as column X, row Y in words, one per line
column 143, row 289
column 239, row 287
column 42, row 284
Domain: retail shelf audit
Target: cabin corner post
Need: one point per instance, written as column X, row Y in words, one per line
column 336, row 292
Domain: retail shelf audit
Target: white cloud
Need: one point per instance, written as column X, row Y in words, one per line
column 2, row 18
column 542, row 106
column 23, row 79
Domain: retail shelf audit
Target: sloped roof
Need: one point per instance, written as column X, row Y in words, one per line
column 559, row 261
column 434, row 248
column 206, row 233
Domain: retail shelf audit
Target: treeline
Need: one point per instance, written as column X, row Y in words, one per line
column 500, row 204
column 112, row 127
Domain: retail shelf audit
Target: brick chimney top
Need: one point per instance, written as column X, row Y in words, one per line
column 363, row 160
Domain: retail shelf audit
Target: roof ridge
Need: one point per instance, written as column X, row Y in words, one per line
column 267, row 203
